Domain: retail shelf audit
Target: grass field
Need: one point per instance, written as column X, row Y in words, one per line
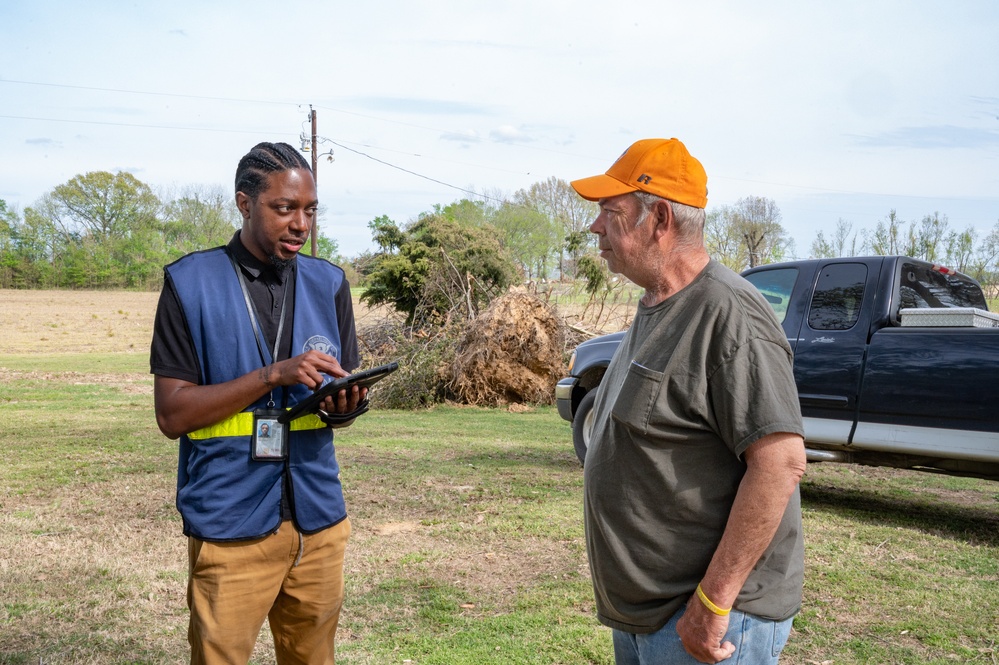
column 467, row 544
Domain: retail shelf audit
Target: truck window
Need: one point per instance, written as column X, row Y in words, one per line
column 775, row 286
column 838, row 294
column 922, row 286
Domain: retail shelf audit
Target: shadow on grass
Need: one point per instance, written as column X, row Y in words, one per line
column 967, row 523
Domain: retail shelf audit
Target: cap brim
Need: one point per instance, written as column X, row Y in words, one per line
column 601, row 186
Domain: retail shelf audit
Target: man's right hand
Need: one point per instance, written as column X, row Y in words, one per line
column 307, row 369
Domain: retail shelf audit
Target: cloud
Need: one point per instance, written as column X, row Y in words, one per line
column 509, row 134
column 932, row 138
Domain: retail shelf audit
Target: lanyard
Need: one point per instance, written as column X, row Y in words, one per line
column 254, row 319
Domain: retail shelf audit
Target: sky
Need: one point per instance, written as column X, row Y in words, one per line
column 835, row 110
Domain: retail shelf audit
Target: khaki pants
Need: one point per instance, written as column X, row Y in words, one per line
column 294, row 580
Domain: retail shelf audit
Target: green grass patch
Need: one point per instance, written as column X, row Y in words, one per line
column 467, row 543
column 97, row 363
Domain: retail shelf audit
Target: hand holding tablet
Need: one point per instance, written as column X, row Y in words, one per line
column 363, row 379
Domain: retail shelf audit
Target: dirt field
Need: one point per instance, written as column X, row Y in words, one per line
column 76, row 321
column 89, row 321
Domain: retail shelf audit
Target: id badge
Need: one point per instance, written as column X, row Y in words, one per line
column 270, row 437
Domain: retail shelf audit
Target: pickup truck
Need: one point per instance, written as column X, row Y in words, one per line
column 896, row 361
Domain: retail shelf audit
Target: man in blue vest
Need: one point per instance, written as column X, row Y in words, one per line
column 242, row 333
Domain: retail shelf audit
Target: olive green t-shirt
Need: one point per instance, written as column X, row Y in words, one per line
column 697, row 379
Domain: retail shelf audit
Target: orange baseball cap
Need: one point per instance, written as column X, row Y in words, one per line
column 657, row 166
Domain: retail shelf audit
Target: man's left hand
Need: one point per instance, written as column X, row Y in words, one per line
column 344, row 401
column 701, row 632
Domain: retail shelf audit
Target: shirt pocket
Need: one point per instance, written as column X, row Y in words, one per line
column 633, row 403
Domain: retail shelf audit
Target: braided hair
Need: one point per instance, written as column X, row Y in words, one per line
column 266, row 158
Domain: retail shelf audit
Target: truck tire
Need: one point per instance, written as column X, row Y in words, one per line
column 582, row 423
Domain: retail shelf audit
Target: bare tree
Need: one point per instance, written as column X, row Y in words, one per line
column 198, row 217
column 961, row 249
column 841, row 243
column 887, row 238
column 747, row 234
column 722, row 239
column 933, row 231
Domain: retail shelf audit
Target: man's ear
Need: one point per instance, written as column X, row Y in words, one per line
column 662, row 214
column 243, row 204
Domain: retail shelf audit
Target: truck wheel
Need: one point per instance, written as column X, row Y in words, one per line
column 582, row 423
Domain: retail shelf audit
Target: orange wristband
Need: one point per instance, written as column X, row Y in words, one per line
column 708, row 604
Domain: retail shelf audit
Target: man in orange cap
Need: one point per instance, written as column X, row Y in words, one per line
column 692, row 511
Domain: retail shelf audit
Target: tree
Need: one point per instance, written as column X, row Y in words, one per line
column 110, row 231
column 201, row 217
column 530, row 237
column 757, row 220
column 438, row 269
column 104, row 205
column 984, row 265
column 931, row 237
column 9, row 220
column 841, row 243
column 328, row 248
column 34, row 246
column 961, row 249
column 722, row 240
column 466, row 212
column 887, row 237
column 386, row 233
column 747, row 234
column 558, row 202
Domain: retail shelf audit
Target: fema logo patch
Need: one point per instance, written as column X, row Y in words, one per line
column 320, row 343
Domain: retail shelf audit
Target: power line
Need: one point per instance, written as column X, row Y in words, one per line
column 418, row 175
column 437, row 159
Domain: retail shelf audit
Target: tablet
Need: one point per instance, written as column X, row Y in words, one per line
column 363, row 379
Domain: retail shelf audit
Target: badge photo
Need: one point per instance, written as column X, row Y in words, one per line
column 269, row 440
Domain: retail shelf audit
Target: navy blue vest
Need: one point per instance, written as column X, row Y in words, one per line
column 223, row 494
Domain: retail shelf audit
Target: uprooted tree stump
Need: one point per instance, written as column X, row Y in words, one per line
column 511, row 353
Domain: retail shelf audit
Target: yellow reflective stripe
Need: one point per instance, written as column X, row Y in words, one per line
column 241, row 424
column 310, row 421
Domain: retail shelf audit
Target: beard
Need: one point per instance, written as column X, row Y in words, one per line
column 279, row 263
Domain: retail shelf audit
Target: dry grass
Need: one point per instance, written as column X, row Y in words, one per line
column 76, row 321
column 94, row 321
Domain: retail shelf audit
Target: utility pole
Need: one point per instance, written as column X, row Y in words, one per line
column 315, row 176
column 314, row 146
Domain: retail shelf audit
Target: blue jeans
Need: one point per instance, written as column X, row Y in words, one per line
column 757, row 642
